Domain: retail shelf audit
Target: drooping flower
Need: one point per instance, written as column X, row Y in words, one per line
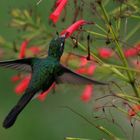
column 23, row 49
column 87, row 93
column 43, row 95
column 21, row 87
column 56, row 14
column 134, row 110
column 68, row 32
column 105, row 53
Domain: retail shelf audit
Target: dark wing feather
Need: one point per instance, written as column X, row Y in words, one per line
column 19, row 64
column 69, row 76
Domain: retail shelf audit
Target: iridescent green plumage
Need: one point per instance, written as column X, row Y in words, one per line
column 45, row 71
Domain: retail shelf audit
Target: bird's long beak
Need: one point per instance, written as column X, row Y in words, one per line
column 63, row 37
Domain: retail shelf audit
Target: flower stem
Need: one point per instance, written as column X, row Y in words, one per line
column 120, row 51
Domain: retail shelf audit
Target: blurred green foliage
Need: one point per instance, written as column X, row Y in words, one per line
column 49, row 119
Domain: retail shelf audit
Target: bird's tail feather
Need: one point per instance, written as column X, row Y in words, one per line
column 12, row 116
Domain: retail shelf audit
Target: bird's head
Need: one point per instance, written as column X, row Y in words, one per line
column 56, row 47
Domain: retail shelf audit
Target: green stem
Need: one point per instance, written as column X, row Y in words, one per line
column 101, row 128
column 96, row 34
column 113, row 69
column 102, row 29
column 120, row 52
column 136, row 28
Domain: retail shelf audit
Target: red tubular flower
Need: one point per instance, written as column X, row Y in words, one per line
column 43, row 95
column 35, row 50
column 105, row 53
column 58, row 2
column 130, row 52
column 134, row 110
column 87, row 93
column 83, row 61
column 91, row 69
column 21, row 87
column 74, row 27
column 23, row 49
column 56, row 14
column 82, row 70
column 15, row 78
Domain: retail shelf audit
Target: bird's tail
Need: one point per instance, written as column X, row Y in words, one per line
column 12, row 116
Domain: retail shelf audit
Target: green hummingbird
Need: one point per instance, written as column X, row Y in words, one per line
column 44, row 71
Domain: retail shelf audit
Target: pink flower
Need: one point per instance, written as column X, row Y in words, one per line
column 105, row 53
column 43, row 95
column 87, row 93
column 21, row 87
column 56, row 14
column 74, row 27
column 23, row 49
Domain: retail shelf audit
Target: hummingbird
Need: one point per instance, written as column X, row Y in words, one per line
column 44, row 71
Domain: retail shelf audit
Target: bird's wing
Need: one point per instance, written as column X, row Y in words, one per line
column 19, row 64
column 71, row 77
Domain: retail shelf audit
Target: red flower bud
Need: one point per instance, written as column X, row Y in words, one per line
column 87, row 93
column 130, row 52
column 23, row 49
column 91, row 69
column 82, row 70
column 73, row 27
column 15, row 78
column 58, row 2
column 56, row 14
column 134, row 110
column 35, row 50
column 83, row 61
column 105, row 53
column 43, row 95
column 21, row 87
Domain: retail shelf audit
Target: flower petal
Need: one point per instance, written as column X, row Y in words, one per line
column 91, row 69
column 87, row 93
column 23, row 49
column 43, row 95
column 105, row 53
column 56, row 14
column 68, row 32
column 15, row 78
column 21, row 87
